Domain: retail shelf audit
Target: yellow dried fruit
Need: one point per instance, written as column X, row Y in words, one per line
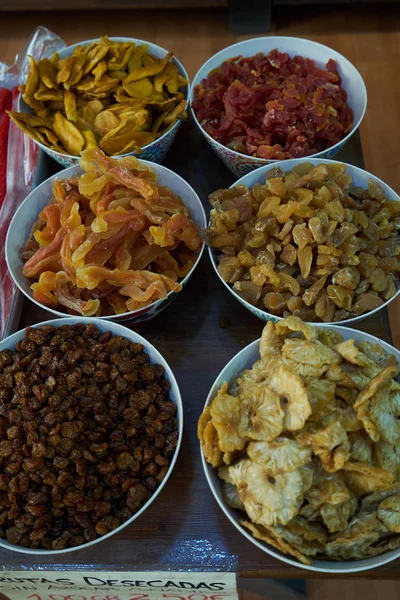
column 311, row 433
column 103, row 82
column 226, row 417
column 268, row 500
column 335, row 249
column 209, row 439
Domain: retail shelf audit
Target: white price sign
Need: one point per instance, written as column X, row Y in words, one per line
column 117, row 585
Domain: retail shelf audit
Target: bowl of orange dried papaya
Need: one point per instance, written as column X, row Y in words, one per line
column 313, row 238
column 114, row 239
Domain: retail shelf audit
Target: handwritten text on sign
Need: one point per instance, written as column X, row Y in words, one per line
column 118, row 585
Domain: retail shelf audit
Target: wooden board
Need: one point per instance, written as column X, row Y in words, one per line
column 185, row 529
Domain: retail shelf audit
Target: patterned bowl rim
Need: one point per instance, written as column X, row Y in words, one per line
column 67, row 51
column 319, row 565
column 133, row 313
column 286, row 165
column 117, row 329
column 256, row 159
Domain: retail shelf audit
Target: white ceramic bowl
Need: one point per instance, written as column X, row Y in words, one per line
column 244, row 360
column 156, row 150
column 28, row 213
column 360, row 178
column 174, row 394
column 352, row 82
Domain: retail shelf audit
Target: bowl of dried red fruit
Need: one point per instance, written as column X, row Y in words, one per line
column 313, row 238
column 276, row 98
column 91, row 427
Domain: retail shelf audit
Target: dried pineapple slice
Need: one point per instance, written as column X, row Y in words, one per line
column 226, row 416
column 284, row 327
column 336, row 516
column 368, row 407
column 332, row 446
column 313, row 353
column 307, row 532
column 363, row 479
column 329, row 337
column 231, row 497
column 223, row 473
column 282, row 455
column 355, row 542
column 361, row 447
column 336, row 374
column 387, row 457
column 327, row 487
column 262, row 413
column 389, row 513
column 293, row 397
column 321, row 395
column 345, row 415
column 349, row 351
column 377, row 354
column 266, row 535
column 373, row 500
column 259, row 372
column 208, row 437
column 270, row 341
column 268, row 500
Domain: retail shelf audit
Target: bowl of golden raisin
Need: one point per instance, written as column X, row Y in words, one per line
column 313, row 238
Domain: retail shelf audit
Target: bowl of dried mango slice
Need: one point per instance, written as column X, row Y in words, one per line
column 299, row 441
column 313, row 238
column 123, row 95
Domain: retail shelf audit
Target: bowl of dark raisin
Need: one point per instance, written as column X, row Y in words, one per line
column 90, row 428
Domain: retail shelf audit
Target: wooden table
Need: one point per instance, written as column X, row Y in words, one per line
column 185, row 529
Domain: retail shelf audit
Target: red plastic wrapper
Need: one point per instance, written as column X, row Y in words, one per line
column 18, row 157
column 274, row 106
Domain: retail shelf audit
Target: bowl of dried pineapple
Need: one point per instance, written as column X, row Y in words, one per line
column 313, row 238
column 299, row 441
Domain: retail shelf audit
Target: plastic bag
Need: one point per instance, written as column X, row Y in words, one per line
column 22, row 154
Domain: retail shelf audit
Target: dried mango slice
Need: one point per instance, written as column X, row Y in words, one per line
column 47, row 73
column 149, row 71
column 121, row 74
column 32, row 82
column 70, row 136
